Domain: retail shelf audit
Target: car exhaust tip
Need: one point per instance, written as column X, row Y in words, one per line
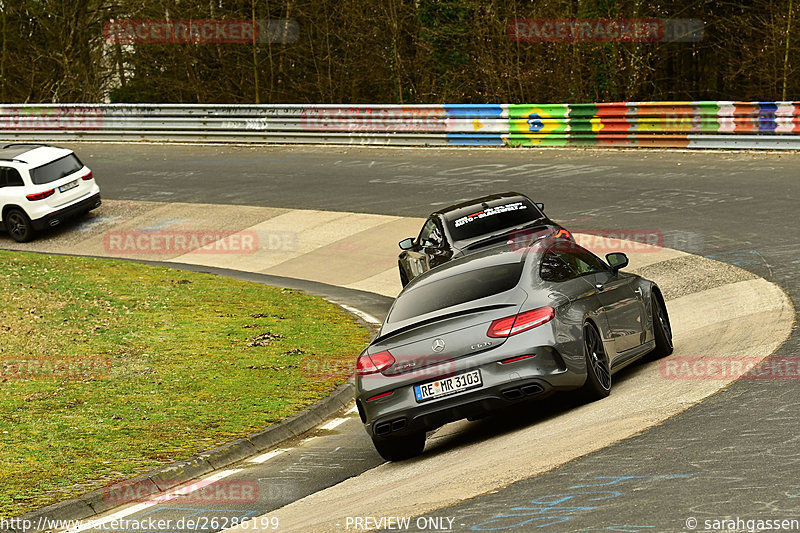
column 384, row 428
column 513, row 394
column 531, row 390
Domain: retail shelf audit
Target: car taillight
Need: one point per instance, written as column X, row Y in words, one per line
column 379, row 396
column 517, row 358
column 377, row 362
column 88, row 176
column 511, row 325
column 563, row 234
column 40, row 195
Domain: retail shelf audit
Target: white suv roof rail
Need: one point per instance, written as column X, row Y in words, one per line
column 29, row 144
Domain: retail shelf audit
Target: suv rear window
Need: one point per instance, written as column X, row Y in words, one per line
column 455, row 290
column 56, row 170
column 476, row 221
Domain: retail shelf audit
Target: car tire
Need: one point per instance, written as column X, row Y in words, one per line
column 598, row 370
column 400, row 448
column 403, row 276
column 18, row 225
column 662, row 330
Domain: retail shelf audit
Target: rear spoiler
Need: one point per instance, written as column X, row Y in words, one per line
column 445, row 316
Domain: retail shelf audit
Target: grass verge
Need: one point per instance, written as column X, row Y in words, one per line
column 111, row 368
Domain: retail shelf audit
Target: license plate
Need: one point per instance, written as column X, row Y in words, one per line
column 448, row 386
column 68, row 186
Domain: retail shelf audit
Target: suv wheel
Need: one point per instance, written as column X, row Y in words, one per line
column 18, row 225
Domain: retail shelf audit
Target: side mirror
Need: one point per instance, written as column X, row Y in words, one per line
column 540, row 205
column 617, row 261
column 406, row 244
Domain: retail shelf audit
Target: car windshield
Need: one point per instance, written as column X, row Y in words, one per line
column 477, row 221
column 455, row 290
column 56, row 170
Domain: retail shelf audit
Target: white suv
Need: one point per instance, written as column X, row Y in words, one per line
column 41, row 186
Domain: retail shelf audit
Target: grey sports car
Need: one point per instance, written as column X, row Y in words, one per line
column 502, row 326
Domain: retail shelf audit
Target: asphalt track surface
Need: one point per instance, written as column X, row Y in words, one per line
column 735, row 455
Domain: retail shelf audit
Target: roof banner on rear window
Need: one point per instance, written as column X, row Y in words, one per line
column 489, row 211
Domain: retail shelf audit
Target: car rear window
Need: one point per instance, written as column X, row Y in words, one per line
column 455, row 290
column 56, row 170
column 474, row 222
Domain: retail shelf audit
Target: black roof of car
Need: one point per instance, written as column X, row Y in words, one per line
column 10, row 152
column 451, row 210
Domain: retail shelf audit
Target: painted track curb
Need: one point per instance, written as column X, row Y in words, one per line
column 171, row 475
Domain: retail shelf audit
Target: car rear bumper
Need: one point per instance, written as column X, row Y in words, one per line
column 399, row 416
column 57, row 217
column 473, row 405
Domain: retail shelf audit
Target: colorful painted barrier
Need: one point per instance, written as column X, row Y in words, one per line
column 712, row 124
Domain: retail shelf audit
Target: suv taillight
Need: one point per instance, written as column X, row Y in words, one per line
column 88, row 176
column 511, row 325
column 40, row 195
column 377, row 362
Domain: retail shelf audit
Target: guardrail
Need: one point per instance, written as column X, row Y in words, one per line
column 745, row 125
